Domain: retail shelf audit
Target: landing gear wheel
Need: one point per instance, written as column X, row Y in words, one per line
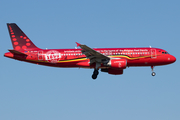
column 153, row 74
column 94, row 76
column 96, row 72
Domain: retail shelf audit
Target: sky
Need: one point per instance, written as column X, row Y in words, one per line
column 34, row 92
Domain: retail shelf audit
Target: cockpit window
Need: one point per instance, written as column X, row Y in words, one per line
column 165, row 53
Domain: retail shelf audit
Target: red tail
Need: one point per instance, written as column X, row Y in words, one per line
column 19, row 40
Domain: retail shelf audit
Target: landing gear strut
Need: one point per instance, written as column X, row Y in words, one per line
column 153, row 73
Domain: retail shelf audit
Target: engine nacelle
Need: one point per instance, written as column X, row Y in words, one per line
column 117, row 63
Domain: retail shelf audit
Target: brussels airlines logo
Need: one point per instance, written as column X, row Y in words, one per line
column 53, row 56
column 119, row 65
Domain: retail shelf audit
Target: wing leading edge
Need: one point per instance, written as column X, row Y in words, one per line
column 92, row 54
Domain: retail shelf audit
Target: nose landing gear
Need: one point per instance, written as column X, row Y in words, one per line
column 153, row 73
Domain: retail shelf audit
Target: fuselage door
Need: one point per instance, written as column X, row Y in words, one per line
column 40, row 55
column 153, row 53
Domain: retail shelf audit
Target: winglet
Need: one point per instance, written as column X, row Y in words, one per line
column 78, row 44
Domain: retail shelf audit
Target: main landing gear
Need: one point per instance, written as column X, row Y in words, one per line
column 153, row 73
column 95, row 74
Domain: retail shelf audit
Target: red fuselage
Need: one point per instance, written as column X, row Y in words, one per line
column 71, row 57
column 110, row 60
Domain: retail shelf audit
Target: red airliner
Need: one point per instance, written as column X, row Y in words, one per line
column 110, row 60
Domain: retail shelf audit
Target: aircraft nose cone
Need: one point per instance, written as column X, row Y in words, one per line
column 172, row 59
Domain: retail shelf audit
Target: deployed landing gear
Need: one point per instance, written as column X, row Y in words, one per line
column 153, row 73
column 95, row 74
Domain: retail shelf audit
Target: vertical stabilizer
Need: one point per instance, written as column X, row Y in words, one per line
column 19, row 40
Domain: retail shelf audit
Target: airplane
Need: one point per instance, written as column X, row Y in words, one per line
column 110, row 60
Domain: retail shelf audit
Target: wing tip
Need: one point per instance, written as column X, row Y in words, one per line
column 78, row 44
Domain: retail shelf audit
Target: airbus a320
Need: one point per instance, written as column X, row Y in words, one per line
column 110, row 60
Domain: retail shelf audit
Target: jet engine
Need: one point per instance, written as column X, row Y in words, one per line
column 117, row 63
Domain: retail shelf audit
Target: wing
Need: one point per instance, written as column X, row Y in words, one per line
column 92, row 54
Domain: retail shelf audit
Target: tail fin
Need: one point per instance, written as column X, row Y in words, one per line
column 19, row 40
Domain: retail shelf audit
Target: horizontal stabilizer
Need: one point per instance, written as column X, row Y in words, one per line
column 16, row 52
